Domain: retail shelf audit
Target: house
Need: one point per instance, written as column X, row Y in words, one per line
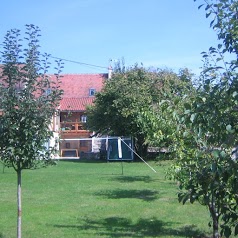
column 79, row 92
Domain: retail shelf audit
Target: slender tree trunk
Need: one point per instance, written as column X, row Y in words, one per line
column 215, row 227
column 215, row 218
column 19, row 203
column 141, row 148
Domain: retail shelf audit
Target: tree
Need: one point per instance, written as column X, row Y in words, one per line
column 207, row 173
column 117, row 106
column 29, row 100
column 126, row 100
column 159, row 120
column 206, row 169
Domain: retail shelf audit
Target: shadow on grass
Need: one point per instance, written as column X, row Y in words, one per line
column 1, row 235
column 122, row 227
column 130, row 179
column 145, row 194
column 76, row 160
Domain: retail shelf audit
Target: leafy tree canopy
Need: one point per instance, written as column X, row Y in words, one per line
column 121, row 107
column 26, row 105
column 206, row 168
column 29, row 99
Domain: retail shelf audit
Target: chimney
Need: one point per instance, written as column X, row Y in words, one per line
column 109, row 72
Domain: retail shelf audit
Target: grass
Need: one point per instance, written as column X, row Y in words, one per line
column 86, row 199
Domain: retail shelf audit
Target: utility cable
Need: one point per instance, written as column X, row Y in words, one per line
column 74, row 61
column 77, row 62
column 138, row 155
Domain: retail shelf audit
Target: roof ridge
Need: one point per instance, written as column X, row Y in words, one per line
column 78, row 97
column 81, row 74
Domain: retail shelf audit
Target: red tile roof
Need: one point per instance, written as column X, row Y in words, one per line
column 75, row 104
column 78, row 85
column 76, row 90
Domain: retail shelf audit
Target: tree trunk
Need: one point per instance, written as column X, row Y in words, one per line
column 215, row 228
column 19, row 203
column 215, row 218
column 141, row 147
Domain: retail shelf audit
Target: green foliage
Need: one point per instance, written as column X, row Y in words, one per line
column 160, row 121
column 224, row 22
column 129, row 101
column 210, row 177
column 29, row 100
column 206, row 170
column 118, row 105
column 27, row 107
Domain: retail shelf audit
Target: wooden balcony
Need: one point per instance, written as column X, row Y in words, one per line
column 73, row 130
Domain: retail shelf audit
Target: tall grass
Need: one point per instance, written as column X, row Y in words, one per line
column 95, row 199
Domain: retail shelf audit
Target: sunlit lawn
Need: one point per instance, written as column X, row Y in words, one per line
column 85, row 199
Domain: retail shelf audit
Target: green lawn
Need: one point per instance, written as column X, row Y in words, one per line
column 85, row 199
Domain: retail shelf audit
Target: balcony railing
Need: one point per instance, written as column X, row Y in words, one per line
column 71, row 126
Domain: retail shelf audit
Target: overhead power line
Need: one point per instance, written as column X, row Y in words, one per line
column 77, row 62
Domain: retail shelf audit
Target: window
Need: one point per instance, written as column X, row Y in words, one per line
column 48, row 91
column 84, row 118
column 83, row 143
column 92, row 91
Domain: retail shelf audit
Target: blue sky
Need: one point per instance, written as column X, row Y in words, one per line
column 158, row 33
